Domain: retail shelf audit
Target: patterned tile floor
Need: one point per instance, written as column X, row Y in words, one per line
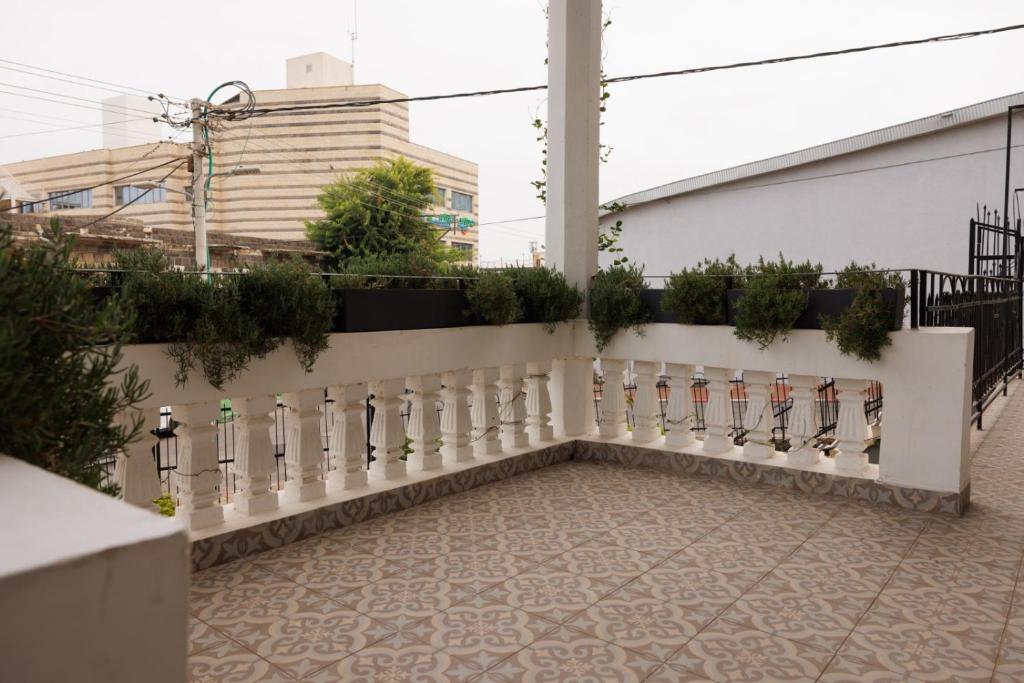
column 591, row 572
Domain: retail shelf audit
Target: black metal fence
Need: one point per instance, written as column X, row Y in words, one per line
column 992, row 307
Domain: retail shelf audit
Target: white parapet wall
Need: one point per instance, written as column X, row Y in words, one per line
column 926, row 373
column 91, row 589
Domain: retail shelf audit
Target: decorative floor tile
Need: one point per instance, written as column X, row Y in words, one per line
column 333, row 575
column 845, row 670
column 732, row 558
column 604, row 562
column 671, row 673
column 654, row 540
column 551, row 593
column 680, row 580
column 570, row 656
column 640, row 622
column 394, row 661
column 257, row 603
column 977, row 615
column 231, row 662
column 537, row 544
column 484, row 631
column 202, row 636
column 399, row 545
column 401, row 599
column 729, row 652
column 474, row 571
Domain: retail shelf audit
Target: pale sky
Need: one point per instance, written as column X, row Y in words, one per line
column 661, row 130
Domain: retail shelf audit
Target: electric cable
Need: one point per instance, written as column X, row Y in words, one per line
column 137, row 198
column 84, row 78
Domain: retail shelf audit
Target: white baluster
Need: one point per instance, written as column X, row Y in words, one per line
column 717, row 412
column 198, row 475
column 456, row 421
column 348, row 436
column 135, row 473
column 613, row 400
column 255, row 463
column 645, row 405
column 852, row 431
column 424, row 430
column 387, row 433
column 802, row 421
column 303, row 450
column 758, row 420
column 486, row 425
column 679, row 411
column 512, row 410
column 538, row 402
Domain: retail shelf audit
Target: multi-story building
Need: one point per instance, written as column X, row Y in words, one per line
column 295, row 152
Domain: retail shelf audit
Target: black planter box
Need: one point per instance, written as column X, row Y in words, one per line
column 379, row 310
column 652, row 300
column 829, row 302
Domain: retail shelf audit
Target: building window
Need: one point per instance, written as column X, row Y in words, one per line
column 129, row 194
column 70, row 199
column 29, row 207
column 465, row 247
column 439, row 194
column 462, row 202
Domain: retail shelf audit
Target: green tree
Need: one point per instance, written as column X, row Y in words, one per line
column 60, row 363
column 378, row 211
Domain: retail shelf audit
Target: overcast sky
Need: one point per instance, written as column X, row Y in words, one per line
column 661, row 130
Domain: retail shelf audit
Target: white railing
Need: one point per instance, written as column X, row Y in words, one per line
column 496, row 386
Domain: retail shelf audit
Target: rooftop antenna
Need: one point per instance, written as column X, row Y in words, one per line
column 353, row 34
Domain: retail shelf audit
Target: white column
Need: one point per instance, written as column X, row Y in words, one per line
column 512, row 407
column 538, row 402
column 197, row 475
column 613, row 400
column 255, row 463
column 303, row 450
column 759, row 419
column 572, row 396
column 717, row 412
column 424, row 430
column 387, row 433
column 645, row 405
column 679, row 411
column 486, row 425
column 135, row 473
column 852, row 431
column 802, row 422
column 456, row 421
column 348, row 436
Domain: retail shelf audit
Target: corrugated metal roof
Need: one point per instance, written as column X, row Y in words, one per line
column 882, row 136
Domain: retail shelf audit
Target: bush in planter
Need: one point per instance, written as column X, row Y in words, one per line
column 615, row 303
column 697, row 295
column 545, row 295
column 492, row 298
column 862, row 330
column 413, row 270
column 60, row 355
column 774, row 296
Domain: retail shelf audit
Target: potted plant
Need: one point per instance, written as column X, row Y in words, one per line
column 545, row 296
column 874, row 303
column 492, row 299
column 616, row 303
column 695, row 296
column 773, row 297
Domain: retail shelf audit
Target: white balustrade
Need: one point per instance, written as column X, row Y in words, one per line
column 679, row 413
column 424, row 430
column 135, row 473
column 254, row 463
column 612, row 421
column 303, row 449
column 802, row 421
column 538, row 402
column 645, row 404
column 512, row 407
column 758, row 419
column 387, row 433
column 852, row 430
column 348, row 436
column 456, row 421
column 717, row 412
column 197, row 475
column 486, row 424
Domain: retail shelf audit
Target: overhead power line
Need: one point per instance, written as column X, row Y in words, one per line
column 66, row 128
column 81, row 78
column 137, row 198
column 123, row 109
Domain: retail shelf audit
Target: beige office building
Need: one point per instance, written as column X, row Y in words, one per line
column 296, row 153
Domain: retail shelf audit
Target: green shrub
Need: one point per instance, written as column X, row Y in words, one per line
column 61, row 363
column 166, row 505
column 545, row 296
column 697, row 295
column 862, row 330
column 774, row 296
column 414, row 270
column 492, row 298
column 615, row 303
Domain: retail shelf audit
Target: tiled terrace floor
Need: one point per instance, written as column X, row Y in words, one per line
column 589, row 572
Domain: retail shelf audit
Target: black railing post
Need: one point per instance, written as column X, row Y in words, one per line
column 972, row 247
column 914, row 294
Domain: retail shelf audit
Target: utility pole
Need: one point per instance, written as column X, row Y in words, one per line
column 199, row 184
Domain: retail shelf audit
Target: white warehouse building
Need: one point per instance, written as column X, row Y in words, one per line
column 901, row 197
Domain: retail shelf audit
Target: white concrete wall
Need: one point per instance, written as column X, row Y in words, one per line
column 91, row 589
column 902, row 205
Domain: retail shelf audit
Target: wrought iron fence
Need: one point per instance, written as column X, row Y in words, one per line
column 989, row 305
